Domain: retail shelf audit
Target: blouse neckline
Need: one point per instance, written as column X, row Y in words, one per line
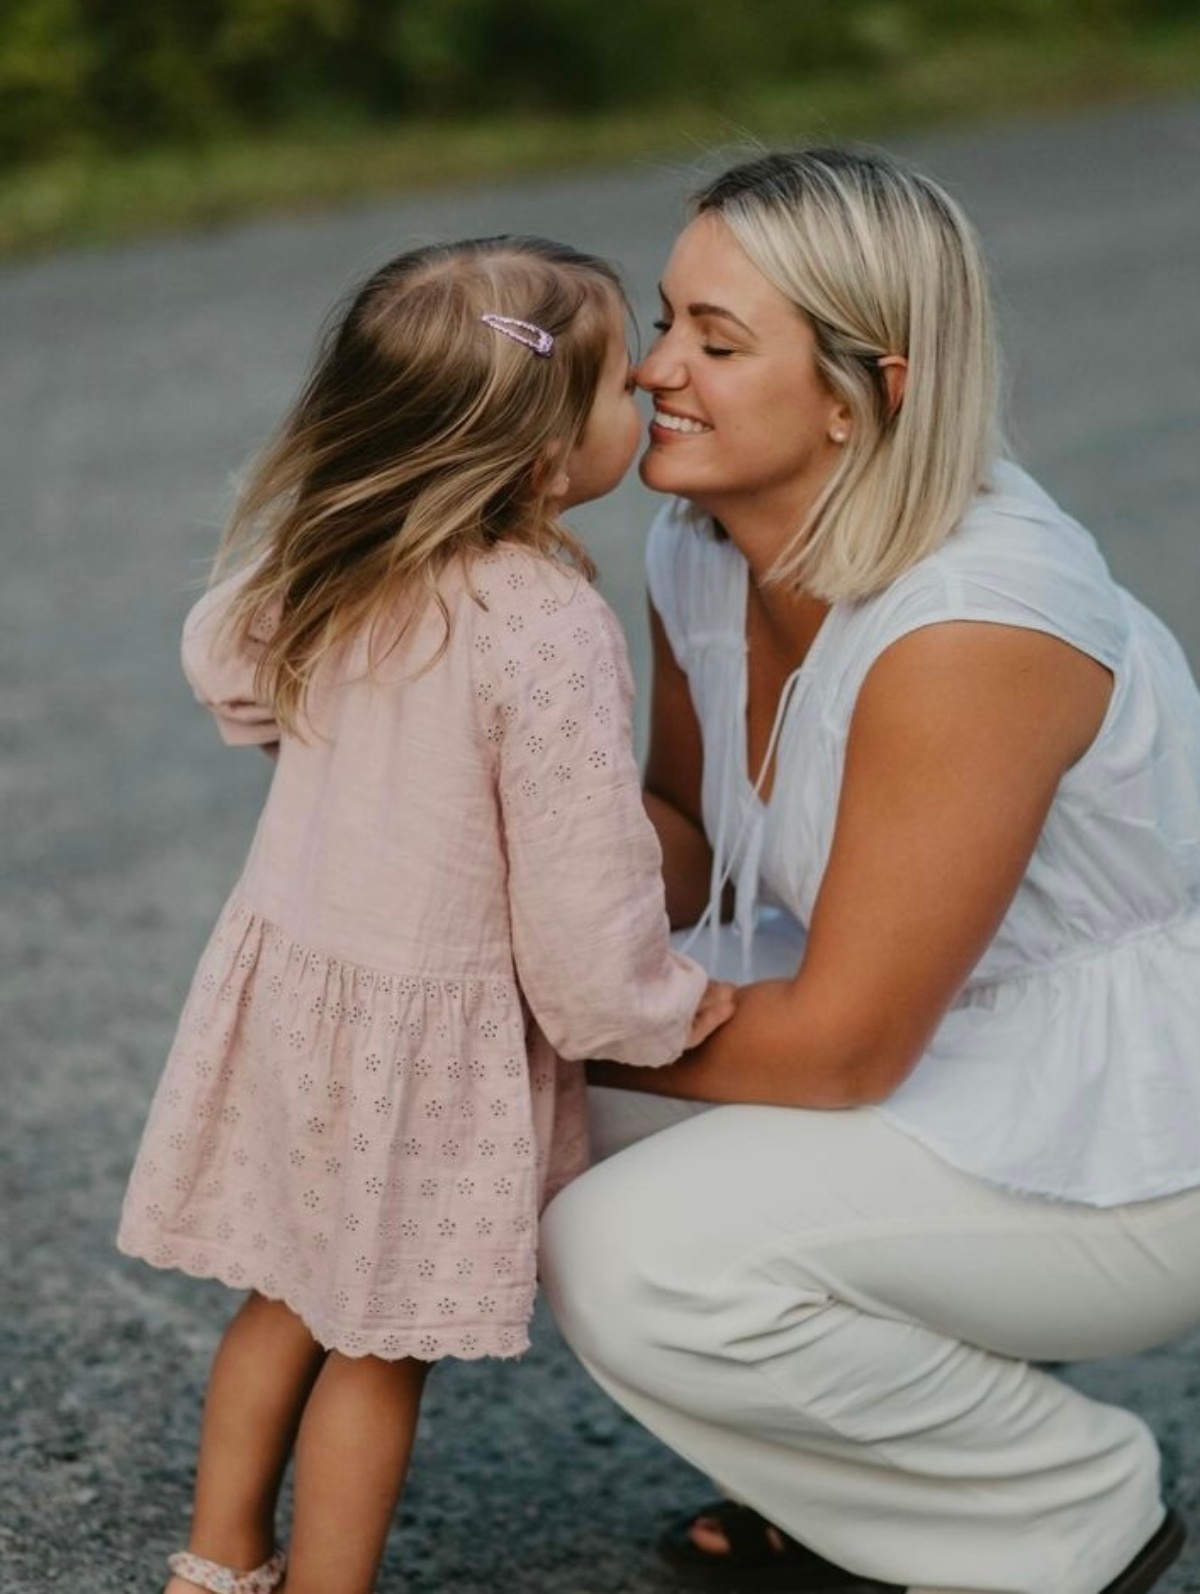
column 796, row 681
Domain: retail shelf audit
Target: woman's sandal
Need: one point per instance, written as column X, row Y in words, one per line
column 760, row 1557
column 764, row 1557
column 218, row 1579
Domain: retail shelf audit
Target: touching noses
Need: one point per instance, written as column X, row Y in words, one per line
column 659, row 368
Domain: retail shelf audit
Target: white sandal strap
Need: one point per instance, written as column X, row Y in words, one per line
column 219, row 1579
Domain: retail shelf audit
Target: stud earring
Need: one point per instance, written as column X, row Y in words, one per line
column 838, row 436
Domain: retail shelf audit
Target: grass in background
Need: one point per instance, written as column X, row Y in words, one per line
column 101, row 200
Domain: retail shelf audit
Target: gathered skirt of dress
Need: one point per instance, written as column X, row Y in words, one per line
column 370, row 1148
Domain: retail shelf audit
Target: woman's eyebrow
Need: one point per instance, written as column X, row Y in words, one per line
column 700, row 309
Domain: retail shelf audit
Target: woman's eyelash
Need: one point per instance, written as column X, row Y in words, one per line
column 716, row 351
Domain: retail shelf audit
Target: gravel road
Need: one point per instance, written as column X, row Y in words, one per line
column 132, row 384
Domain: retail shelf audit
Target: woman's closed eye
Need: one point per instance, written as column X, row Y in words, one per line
column 717, row 351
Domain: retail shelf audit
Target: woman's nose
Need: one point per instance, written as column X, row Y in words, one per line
column 657, row 368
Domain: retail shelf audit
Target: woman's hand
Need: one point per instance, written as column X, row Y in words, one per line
column 716, row 1007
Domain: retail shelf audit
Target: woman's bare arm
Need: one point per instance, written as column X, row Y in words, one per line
column 960, row 737
column 672, row 783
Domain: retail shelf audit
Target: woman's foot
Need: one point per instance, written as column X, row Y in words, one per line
column 708, row 1533
column 1152, row 1560
column 730, row 1546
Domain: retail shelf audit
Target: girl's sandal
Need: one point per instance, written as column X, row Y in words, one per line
column 218, row 1579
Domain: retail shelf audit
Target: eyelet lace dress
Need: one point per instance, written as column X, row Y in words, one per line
column 452, row 888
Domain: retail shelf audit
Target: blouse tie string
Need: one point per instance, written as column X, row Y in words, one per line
column 745, row 853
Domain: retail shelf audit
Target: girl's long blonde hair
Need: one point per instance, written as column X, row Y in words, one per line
column 421, row 434
column 879, row 260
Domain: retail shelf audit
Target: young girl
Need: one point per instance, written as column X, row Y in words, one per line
column 453, row 881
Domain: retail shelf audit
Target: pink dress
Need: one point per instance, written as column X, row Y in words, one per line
column 452, row 883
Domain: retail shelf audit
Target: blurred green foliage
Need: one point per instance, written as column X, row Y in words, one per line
column 81, row 76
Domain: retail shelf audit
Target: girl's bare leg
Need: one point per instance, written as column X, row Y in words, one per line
column 261, row 1377
column 351, row 1459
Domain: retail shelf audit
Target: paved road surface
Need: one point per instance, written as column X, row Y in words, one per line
column 132, row 383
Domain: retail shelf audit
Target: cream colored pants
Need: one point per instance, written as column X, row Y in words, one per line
column 839, row 1328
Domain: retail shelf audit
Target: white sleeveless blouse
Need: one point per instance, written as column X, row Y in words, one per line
column 1069, row 1065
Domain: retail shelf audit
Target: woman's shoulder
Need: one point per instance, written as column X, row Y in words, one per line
column 1014, row 558
column 1013, row 524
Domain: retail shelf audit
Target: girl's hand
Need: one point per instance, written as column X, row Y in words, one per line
column 716, row 1005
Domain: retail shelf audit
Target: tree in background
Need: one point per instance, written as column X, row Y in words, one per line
column 119, row 74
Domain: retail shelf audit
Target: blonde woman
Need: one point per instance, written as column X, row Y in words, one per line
column 899, row 699
column 452, row 880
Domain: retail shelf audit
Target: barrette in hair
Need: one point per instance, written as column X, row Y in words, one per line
column 533, row 337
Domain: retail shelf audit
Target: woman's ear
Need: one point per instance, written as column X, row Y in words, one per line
column 895, row 379
column 839, row 424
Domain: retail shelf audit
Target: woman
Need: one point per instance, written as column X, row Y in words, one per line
column 898, row 695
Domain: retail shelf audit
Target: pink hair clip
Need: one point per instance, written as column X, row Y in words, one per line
column 525, row 332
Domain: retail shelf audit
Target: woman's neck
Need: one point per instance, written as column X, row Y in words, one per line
column 784, row 616
column 781, row 621
column 762, row 526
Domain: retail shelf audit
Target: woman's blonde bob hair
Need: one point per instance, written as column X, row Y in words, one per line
column 879, row 261
column 421, row 435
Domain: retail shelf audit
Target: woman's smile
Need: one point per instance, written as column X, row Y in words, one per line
column 681, row 425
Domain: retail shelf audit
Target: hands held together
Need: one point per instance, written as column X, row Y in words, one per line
column 716, row 1006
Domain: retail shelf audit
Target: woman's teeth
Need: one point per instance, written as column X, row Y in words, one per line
column 679, row 423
